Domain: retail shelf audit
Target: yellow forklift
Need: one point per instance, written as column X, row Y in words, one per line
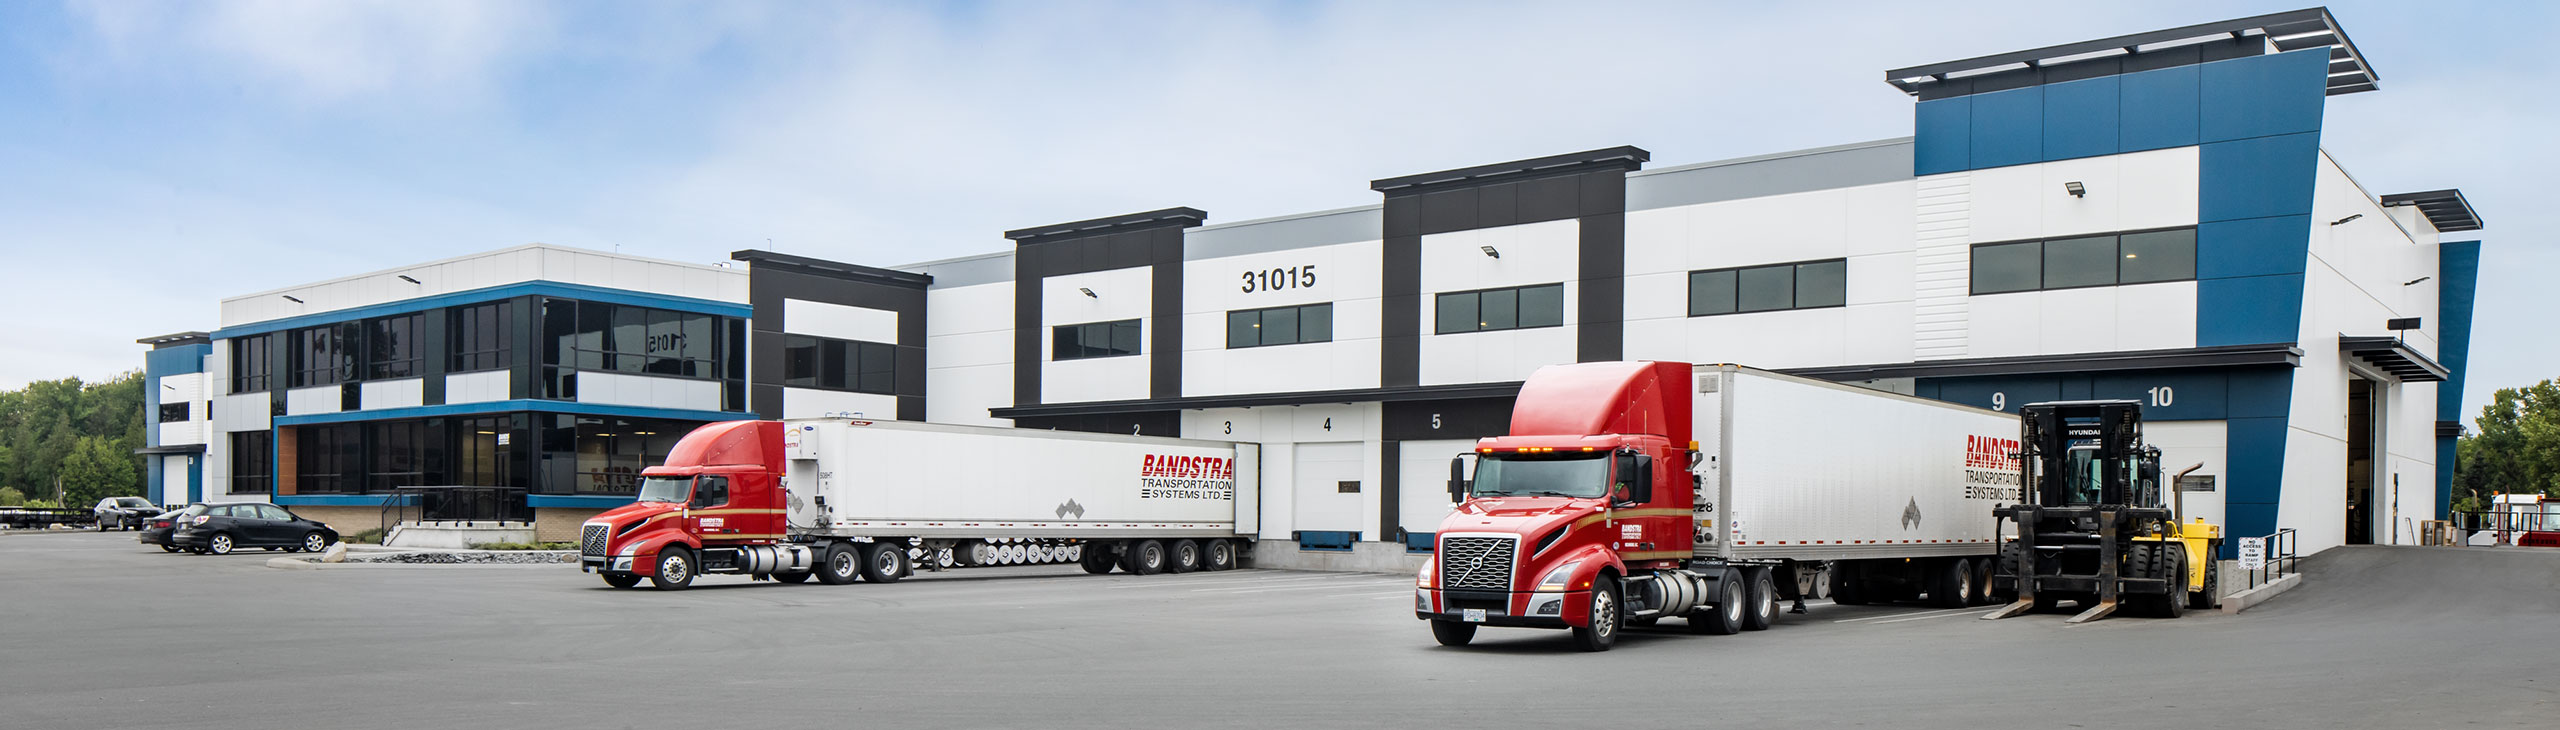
column 2096, row 526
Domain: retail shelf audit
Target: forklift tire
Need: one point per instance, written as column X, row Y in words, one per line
column 1452, row 633
column 1725, row 615
column 883, row 562
column 1845, row 590
column 1184, row 556
column 1761, row 595
column 1096, row 560
column 1982, row 582
column 2173, row 603
column 675, row 569
column 800, row 577
column 1608, row 616
column 1951, row 586
column 840, row 565
column 1144, row 557
column 622, row 580
column 2211, row 597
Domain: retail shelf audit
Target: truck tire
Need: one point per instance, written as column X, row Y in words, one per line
column 1183, row 556
column 841, row 565
column 1762, row 595
column 1096, row 560
column 622, row 580
column 1144, row 557
column 2211, row 597
column 1725, row 615
column 1453, row 633
column 1951, row 584
column 1220, row 554
column 1845, row 589
column 883, row 562
column 1608, row 616
column 675, row 569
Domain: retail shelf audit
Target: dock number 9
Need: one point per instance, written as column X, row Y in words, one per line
column 1999, row 401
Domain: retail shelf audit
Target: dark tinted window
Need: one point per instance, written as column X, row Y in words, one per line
column 2156, row 256
column 1094, row 339
column 2064, row 263
column 1458, row 313
column 1280, row 326
column 252, row 363
column 480, row 336
column 1822, row 284
column 1711, row 292
column 2077, row 262
column 173, row 412
column 2008, row 267
column 1767, row 287
column 710, row 491
column 832, row 364
column 1500, row 309
column 392, row 347
column 252, row 462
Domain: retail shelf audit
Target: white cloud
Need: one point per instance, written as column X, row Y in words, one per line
column 326, row 51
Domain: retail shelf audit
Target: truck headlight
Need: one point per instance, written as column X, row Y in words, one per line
column 1424, row 578
column 1557, row 579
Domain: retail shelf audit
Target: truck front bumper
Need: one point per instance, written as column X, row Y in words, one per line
column 1545, row 609
column 600, row 564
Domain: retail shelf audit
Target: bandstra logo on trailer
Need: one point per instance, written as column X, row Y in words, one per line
column 1991, row 468
column 1166, row 476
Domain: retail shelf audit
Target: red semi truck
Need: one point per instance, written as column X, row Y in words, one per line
column 1628, row 492
column 843, row 499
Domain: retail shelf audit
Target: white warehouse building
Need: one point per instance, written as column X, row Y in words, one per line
column 2149, row 217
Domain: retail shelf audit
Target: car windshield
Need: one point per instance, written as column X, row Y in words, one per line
column 1579, row 475
column 192, row 510
column 133, row 502
column 665, row 489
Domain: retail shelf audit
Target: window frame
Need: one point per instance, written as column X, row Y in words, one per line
column 177, row 411
column 1517, row 294
column 473, row 345
column 2043, row 259
column 260, row 470
column 1261, row 314
column 1795, row 286
column 253, row 363
column 1109, row 332
column 851, row 360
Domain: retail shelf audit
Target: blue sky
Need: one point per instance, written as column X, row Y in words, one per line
column 158, row 156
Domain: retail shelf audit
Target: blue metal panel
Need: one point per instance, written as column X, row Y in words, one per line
column 178, row 360
column 2081, row 118
column 2247, row 311
column 195, row 476
column 1326, row 540
column 2266, row 95
column 2010, row 391
column 579, row 501
column 580, row 292
column 154, row 475
column 1421, row 542
column 2259, row 519
column 2008, row 127
column 1942, row 134
column 511, row 406
column 2457, row 283
column 2256, row 481
column 2160, row 108
column 2168, row 395
column 2253, row 247
column 2257, row 178
column 2261, row 392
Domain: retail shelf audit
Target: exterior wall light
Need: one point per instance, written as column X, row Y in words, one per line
column 1488, row 251
column 405, row 277
column 291, row 298
column 1088, row 292
column 2076, row 189
column 2346, row 220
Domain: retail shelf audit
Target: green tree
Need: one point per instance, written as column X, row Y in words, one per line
column 95, row 470
column 44, row 423
column 2515, row 449
column 11, row 497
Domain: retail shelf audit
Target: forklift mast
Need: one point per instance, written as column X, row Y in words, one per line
column 2069, row 445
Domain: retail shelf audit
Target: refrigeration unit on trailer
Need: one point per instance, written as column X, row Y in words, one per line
column 1636, row 491
column 841, row 499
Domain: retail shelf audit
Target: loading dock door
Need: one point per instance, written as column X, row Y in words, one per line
column 1326, row 487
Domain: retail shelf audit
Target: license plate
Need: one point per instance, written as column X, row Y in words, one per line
column 1472, row 615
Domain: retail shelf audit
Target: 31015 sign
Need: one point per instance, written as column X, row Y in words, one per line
column 1286, row 277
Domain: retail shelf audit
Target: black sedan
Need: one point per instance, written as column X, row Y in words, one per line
column 220, row 528
column 157, row 530
column 124, row 513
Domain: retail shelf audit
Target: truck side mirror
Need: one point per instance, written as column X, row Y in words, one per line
column 1644, row 479
column 1457, row 479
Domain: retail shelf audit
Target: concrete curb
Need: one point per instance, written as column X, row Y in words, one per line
column 2241, row 601
column 301, row 564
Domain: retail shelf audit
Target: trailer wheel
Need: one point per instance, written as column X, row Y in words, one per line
column 675, row 569
column 1144, row 557
column 1221, row 555
column 1608, row 615
column 1845, row 588
column 1725, row 616
column 1762, row 595
column 1096, row 560
column 840, row 566
column 1951, row 584
column 883, row 562
column 622, row 580
column 1981, row 581
column 1454, row 633
column 1184, row 557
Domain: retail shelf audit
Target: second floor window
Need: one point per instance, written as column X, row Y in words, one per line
column 1803, row 285
column 2069, row 263
column 832, row 364
column 1513, row 308
column 481, row 337
column 252, row 363
column 1280, row 326
column 392, row 347
column 1094, row 339
column 324, row 355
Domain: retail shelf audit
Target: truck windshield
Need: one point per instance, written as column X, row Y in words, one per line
column 665, row 489
column 1583, row 475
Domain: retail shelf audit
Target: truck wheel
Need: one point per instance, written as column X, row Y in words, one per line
column 1725, row 615
column 1608, row 615
column 1144, row 557
column 1762, row 595
column 1096, row 560
column 622, row 580
column 883, row 563
column 2211, row 597
column 840, row 565
column 675, row 569
column 1844, row 586
column 1221, row 555
column 1454, row 633
column 800, row 577
column 1184, row 557
column 1952, row 587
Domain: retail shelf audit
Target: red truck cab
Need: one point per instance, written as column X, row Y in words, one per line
column 720, row 490
column 1586, row 503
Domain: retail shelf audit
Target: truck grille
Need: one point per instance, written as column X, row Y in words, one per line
column 1476, row 562
column 591, row 542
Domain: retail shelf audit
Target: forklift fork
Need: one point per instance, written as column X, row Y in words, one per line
column 2108, row 586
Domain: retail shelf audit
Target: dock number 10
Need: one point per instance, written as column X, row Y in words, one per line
column 2161, row 397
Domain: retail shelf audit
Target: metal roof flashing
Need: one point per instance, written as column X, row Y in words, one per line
column 2271, row 33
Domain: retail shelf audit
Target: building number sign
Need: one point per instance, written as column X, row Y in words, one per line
column 2161, row 397
column 1300, row 277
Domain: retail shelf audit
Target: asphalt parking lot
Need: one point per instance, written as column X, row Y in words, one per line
column 103, row 632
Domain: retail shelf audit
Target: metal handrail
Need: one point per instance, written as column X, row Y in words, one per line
column 2281, row 559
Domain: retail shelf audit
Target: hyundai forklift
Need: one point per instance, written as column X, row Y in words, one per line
column 2094, row 524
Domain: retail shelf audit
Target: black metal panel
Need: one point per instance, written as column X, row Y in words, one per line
column 434, row 357
column 1601, row 304
column 775, row 277
column 1435, row 393
column 1549, row 199
column 1152, row 238
column 2284, row 354
column 1164, row 361
column 1499, row 205
column 1622, row 159
column 1390, row 491
column 1400, row 348
column 2445, row 209
column 1465, row 418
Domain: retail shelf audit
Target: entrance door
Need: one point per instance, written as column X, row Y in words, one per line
column 2361, row 417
